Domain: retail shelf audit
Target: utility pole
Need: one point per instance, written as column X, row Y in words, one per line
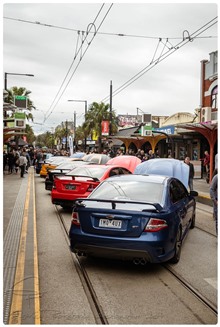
column 74, row 128
column 66, row 134
column 110, row 116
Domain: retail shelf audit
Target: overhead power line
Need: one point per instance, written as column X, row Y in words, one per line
column 60, row 93
column 100, row 33
column 163, row 55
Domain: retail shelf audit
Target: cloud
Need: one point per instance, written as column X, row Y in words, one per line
column 48, row 53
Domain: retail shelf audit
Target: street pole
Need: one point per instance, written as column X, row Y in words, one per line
column 74, row 128
column 85, row 101
column 110, row 116
column 66, row 135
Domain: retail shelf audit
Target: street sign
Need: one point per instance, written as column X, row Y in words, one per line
column 20, row 101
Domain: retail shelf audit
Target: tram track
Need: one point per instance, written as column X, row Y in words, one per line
column 191, row 289
column 96, row 307
column 90, row 292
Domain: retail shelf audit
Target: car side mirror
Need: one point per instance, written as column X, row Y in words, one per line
column 194, row 193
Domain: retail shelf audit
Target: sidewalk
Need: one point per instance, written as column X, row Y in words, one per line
column 202, row 187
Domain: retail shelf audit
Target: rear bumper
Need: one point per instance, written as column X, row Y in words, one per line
column 63, row 203
column 116, row 253
column 68, row 199
column 123, row 249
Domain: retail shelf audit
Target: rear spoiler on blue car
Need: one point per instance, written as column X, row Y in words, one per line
column 157, row 206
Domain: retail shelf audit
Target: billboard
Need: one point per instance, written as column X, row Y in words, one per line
column 129, row 120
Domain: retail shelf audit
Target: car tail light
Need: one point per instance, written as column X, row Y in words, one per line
column 155, row 225
column 91, row 188
column 75, row 219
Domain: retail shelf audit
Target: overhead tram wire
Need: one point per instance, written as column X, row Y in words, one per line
column 100, row 33
column 80, row 60
column 162, row 57
column 48, row 112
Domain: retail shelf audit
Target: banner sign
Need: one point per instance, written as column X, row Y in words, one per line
column 105, row 127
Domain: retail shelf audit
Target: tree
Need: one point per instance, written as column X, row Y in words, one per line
column 29, row 134
column 93, row 120
column 45, row 139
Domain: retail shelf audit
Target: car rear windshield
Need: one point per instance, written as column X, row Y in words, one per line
column 132, row 190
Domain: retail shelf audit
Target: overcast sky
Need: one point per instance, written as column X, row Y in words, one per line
column 43, row 39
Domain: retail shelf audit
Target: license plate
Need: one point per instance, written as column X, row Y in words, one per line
column 110, row 223
column 70, row 187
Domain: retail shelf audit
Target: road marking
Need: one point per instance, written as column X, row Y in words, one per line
column 36, row 273
column 212, row 281
column 16, row 305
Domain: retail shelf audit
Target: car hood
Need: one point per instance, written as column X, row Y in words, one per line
column 166, row 167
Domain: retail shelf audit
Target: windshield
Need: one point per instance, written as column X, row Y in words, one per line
column 130, row 190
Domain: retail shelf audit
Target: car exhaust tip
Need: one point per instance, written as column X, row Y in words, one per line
column 143, row 261
column 140, row 261
column 136, row 261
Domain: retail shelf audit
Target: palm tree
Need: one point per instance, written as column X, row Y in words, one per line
column 93, row 120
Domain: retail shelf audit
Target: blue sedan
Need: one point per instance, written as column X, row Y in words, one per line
column 143, row 218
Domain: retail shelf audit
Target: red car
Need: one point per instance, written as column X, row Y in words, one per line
column 81, row 181
column 129, row 162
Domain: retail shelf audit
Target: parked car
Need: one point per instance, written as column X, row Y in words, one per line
column 80, row 182
column 61, row 169
column 39, row 163
column 165, row 166
column 78, row 155
column 52, row 163
column 98, row 158
column 129, row 162
column 143, row 218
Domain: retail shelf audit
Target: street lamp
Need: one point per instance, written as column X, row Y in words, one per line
column 85, row 101
column 6, row 74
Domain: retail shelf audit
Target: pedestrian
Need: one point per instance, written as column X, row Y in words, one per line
column 206, row 164
column 10, row 162
column 5, row 160
column 214, row 198
column 191, row 172
column 22, row 162
column 16, row 162
column 216, row 165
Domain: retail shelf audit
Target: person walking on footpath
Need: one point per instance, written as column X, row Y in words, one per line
column 22, row 162
column 206, row 164
column 214, row 198
column 191, row 172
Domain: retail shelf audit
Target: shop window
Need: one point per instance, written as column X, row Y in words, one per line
column 214, row 104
